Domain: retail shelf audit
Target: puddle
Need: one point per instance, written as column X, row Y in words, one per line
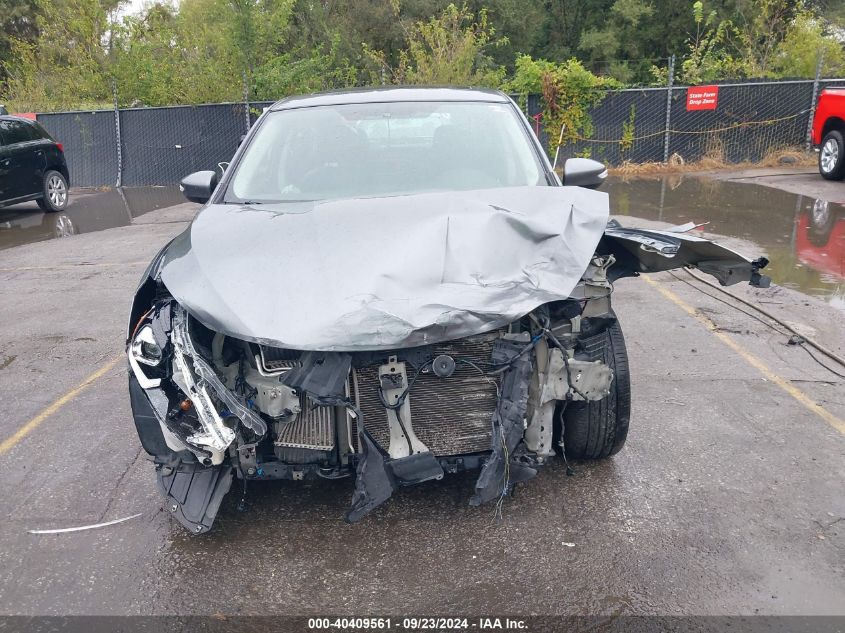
column 88, row 210
column 803, row 237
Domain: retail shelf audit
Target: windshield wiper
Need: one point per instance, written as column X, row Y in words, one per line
column 254, row 202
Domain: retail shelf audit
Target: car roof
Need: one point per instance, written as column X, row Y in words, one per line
column 391, row 95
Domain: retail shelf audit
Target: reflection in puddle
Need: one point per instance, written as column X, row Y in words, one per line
column 64, row 226
column 803, row 237
column 88, row 211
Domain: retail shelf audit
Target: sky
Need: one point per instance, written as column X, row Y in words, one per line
column 133, row 6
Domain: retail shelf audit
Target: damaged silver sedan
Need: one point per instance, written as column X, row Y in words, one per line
column 391, row 285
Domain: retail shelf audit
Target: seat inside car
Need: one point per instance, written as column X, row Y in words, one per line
column 329, row 160
column 453, row 148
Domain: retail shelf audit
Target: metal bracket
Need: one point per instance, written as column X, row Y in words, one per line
column 591, row 378
column 594, row 288
column 538, row 433
column 393, row 382
column 597, row 270
column 248, row 459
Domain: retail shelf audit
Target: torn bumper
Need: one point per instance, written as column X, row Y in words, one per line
column 647, row 251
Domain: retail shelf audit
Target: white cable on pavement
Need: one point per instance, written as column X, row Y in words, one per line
column 84, row 527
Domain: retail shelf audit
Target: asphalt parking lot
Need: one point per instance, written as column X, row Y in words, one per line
column 727, row 498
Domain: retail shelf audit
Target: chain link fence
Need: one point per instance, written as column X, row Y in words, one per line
column 748, row 122
column 159, row 146
column 90, row 144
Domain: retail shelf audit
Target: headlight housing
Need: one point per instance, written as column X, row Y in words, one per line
column 145, row 349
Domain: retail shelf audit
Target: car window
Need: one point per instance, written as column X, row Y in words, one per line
column 31, row 131
column 40, row 132
column 377, row 149
column 16, row 131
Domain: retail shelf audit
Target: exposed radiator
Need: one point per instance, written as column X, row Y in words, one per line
column 312, row 429
column 450, row 415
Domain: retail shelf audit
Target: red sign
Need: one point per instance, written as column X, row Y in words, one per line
column 702, row 97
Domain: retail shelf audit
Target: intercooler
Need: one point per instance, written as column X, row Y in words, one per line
column 451, row 416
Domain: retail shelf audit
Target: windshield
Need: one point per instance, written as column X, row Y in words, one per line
column 379, row 149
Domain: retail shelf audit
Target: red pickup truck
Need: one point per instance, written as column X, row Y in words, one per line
column 829, row 133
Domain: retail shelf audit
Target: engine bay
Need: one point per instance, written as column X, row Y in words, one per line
column 274, row 413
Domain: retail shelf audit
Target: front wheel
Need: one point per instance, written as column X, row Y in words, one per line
column 598, row 428
column 55, row 192
column 832, row 156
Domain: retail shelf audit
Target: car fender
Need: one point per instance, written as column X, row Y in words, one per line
column 649, row 251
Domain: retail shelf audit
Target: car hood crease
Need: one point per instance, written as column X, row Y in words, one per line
column 383, row 273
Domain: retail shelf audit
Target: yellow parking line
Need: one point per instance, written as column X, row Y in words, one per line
column 35, row 422
column 751, row 359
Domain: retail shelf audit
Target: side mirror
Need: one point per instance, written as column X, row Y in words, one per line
column 583, row 172
column 199, row 186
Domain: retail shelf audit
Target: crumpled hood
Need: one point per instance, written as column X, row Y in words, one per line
column 383, row 273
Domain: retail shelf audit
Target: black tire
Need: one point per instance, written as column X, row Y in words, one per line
column 598, row 429
column 55, row 193
column 832, row 156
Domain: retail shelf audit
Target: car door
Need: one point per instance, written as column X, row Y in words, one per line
column 21, row 160
column 5, row 180
column 40, row 149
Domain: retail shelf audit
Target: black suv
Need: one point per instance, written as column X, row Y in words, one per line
column 32, row 165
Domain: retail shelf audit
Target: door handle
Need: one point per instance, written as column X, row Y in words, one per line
column 6, row 162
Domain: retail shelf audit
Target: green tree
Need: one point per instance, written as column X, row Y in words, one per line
column 201, row 53
column 569, row 92
column 322, row 68
column 449, row 49
column 17, row 24
column 764, row 25
column 797, row 56
column 715, row 49
column 833, row 11
column 520, row 22
column 68, row 64
column 67, row 53
column 565, row 22
column 765, row 38
column 619, row 39
column 148, row 59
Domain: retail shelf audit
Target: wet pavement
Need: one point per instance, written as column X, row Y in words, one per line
column 803, row 236
column 727, row 498
column 88, row 211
